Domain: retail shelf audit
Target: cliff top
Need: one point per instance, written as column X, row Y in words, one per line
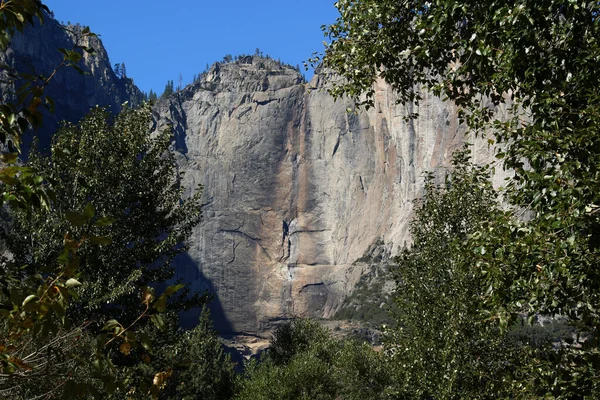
column 246, row 73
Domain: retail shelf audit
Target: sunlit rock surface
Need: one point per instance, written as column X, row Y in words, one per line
column 296, row 188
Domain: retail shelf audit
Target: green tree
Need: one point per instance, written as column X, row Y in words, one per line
column 117, row 69
column 169, row 90
column 152, row 97
column 539, row 61
column 204, row 369
column 41, row 353
column 134, row 222
column 130, row 180
column 443, row 347
column 305, row 362
column 123, row 70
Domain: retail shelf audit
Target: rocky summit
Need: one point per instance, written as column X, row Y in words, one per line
column 297, row 186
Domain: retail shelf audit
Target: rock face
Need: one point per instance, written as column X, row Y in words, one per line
column 35, row 51
column 296, row 188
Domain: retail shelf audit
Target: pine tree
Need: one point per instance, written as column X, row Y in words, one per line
column 169, row 90
column 117, row 69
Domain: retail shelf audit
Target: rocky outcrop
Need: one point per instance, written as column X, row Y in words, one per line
column 36, row 52
column 296, row 188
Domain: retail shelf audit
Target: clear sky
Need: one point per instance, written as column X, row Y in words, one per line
column 158, row 40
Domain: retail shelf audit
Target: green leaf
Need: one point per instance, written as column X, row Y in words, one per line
column 9, row 158
column 75, row 218
column 110, row 325
column 72, row 282
column 173, row 289
column 100, row 240
column 145, row 341
column 105, row 221
column 158, row 321
column 28, row 299
column 89, row 211
column 160, row 304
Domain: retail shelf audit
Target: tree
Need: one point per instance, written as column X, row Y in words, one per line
column 169, row 90
column 123, row 71
column 16, row 16
column 117, row 69
column 134, row 222
column 152, row 97
column 538, row 61
column 130, row 180
column 204, row 369
column 41, row 353
column 305, row 362
column 29, row 302
column 443, row 346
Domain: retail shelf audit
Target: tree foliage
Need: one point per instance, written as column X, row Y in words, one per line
column 204, row 370
column 169, row 90
column 134, row 220
column 51, row 344
column 129, row 181
column 305, row 362
column 538, row 61
column 16, row 15
column 444, row 346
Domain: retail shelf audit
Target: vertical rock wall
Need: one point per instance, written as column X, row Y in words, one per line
column 296, row 188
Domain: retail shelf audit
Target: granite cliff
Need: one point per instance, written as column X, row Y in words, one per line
column 35, row 51
column 296, row 188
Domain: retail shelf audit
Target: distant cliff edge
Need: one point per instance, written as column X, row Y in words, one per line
column 35, row 51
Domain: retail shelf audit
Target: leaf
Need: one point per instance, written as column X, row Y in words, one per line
column 110, row 386
column 125, row 348
column 160, row 378
column 72, row 266
column 145, row 341
column 75, row 218
column 147, row 295
column 173, row 289
column 72, row 282
column 89, row 211
column 110, row 325
column 49, row 104
column 104, row 221
column 160, row 305
column 9, row 158
column 28, row 299
column 100, row 240
column 158, row 321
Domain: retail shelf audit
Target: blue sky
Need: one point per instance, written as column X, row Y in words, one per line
column 158, row 40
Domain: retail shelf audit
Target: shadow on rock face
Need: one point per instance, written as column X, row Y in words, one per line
column 188, row 271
